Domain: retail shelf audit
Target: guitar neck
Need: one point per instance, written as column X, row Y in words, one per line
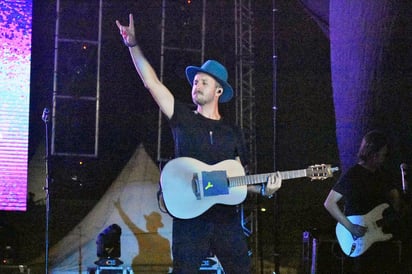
column 262, row 178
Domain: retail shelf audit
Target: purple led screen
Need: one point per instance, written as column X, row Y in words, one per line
column 15, row 56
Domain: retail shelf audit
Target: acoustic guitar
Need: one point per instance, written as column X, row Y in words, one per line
column 190, row 187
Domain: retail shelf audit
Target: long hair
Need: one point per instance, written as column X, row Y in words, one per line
column 372, row 142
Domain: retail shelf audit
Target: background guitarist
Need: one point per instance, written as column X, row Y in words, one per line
column 363, row 187
column 203, row 134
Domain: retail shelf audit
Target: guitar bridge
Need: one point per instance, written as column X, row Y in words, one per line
column 196, row 186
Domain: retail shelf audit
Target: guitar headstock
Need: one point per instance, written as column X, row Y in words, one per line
column 320, row 172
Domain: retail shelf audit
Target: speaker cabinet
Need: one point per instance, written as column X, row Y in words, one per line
column 211, row 265
column 14, row 269
column 110, row 270
column 321, row 254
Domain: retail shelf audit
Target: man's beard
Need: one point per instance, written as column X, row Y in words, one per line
column 199, row 100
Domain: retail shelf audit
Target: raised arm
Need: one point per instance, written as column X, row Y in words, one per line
column 160, row 93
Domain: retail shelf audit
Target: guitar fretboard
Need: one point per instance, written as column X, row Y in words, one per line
column 262, row 178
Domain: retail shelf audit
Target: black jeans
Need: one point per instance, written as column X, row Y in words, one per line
column 195, row 239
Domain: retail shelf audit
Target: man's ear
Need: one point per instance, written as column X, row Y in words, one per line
column 219, row 91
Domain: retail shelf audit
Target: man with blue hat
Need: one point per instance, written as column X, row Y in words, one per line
column 204, row 135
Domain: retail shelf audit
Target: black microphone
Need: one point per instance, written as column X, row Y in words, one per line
column 404, row 168
column 45, row 115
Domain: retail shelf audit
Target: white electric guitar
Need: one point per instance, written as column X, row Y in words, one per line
column 373, row 220
column 190, row 187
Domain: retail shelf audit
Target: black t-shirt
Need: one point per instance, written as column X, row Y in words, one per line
column 363, row 190
column 207, row 140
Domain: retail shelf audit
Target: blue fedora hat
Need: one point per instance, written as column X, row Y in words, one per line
column 217, row 71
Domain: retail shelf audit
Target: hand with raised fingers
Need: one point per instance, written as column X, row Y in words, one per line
column 128, row 32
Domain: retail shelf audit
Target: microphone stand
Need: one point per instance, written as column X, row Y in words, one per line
column 46, row 119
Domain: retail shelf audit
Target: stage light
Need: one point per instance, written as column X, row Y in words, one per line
column 108, row 246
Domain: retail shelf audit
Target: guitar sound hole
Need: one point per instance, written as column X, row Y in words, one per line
column 195, row 186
